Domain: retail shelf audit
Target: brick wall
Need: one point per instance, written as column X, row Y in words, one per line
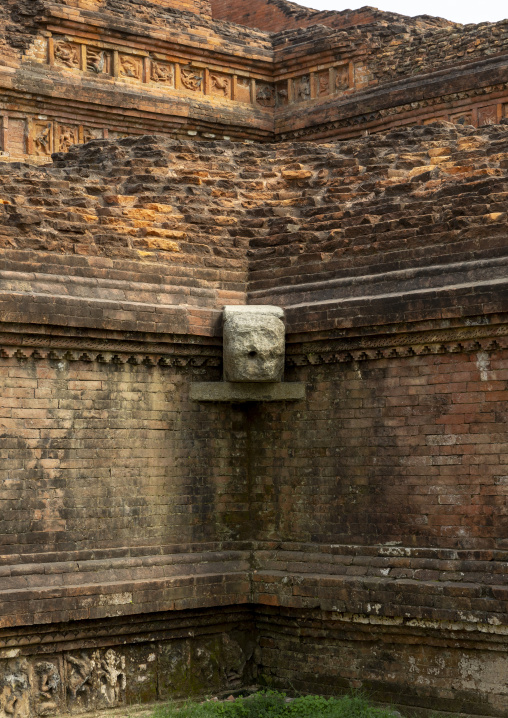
column 16, row 133
column 407, row 451
column 325, row 544
column 112, row 455
column 280, row 15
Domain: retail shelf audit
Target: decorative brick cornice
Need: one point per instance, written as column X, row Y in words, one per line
column 400, row 345
column 25, row 346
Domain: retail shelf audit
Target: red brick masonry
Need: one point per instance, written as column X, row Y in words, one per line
column 160, row 547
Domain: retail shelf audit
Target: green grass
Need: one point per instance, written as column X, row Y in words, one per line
column 271, row 704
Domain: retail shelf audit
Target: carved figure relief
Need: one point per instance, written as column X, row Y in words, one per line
column 79, row 681
column 487, row 115
column 265, row 94
column 67, row 136
column 243, row 93
column 233, row 662
column 220, row 85
column 191, row 79
column 97, row 60
column 282, row 93
column 112, row 677
column 323, row 83
column 341, row 78
column 464, row 118
column 130, row 66
column 46, row 687
column 302, row 88
column 205, row 664
column 42, row 139
column 163, row 72
column 66, row 54
column 14, row 691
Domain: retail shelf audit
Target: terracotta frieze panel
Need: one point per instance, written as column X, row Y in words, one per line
column 14, row 689
column 487, row 115
column 66, row 54
column 163, row 73
column 42, row 139
column 341, row 81
column 330, row 81
column 98, row 60
column 265, row 94
column 425, row 112
column 323, row 83
column 47, row 686
column 462, row 118
column 111, row 678
column 66, row 136
column 220, row 85
column 130, row 67
column 192, row 79
column 80, row 679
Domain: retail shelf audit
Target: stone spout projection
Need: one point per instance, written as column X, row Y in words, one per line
column 254, row 352
column 254, row 343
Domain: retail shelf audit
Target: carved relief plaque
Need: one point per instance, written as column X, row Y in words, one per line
column 233, row 662
column 163, row 72
column 14, row 689
column 67, row 54
column 243, row 92
column 79, row 682
column 463, row 118
column 265, row 94
column 323, row 83
column 111, row 676
column 46, row 686
column 282, row 93
column 191, row 79
column 130, row 66
column 341, row 78
column 301, row 88
column 98, row 60
column 66, row 136
column 487, row 115
column 220, row 85
column 42, row 139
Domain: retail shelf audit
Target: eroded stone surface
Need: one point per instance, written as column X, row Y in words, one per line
column 253, row 343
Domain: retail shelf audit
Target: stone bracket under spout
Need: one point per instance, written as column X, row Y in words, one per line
column 254, row 352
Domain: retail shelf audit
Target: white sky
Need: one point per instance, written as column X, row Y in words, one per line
column 463, row 11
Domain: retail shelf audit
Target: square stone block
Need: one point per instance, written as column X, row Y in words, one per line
column 254, row 343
